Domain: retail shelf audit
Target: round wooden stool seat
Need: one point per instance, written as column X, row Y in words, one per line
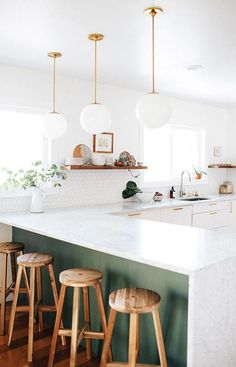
column 11, row 247
column 34, row 260
column 80, row 277
column 134, row 300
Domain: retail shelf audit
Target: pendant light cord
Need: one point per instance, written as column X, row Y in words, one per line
column 54, row 86
column 95, row 72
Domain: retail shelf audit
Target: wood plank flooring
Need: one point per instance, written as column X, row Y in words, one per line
column 16, row 355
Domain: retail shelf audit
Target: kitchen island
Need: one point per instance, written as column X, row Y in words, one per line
column 194, row 270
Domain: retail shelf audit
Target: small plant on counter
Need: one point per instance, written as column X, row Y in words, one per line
column 35, row 177
column 198, row 173
column 130, row 190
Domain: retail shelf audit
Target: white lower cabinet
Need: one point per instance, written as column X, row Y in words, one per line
column 211, row 220
column 178, row 215
column 210, row 215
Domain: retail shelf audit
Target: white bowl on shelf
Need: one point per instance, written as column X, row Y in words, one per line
column 98, row 160
column 74, row 161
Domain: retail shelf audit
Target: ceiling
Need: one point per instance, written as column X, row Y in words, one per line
column 189, row 32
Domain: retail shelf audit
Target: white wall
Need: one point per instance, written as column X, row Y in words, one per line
column 27, row 88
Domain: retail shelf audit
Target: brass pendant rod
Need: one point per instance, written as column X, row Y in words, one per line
column 153, row 52
column 95, row 72
column 54, row 86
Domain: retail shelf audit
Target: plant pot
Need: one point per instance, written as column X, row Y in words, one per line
column 198, row 176
column 36, row 205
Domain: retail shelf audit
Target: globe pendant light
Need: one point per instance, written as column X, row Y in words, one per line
column 95, row 118
column 152, row 109
column 54, row 124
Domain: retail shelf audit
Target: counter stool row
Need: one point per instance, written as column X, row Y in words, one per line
column 133, row 301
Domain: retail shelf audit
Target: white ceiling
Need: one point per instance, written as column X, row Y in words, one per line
column 189, row 32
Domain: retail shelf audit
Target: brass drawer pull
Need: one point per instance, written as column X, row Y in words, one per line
column 178, row 208
column 211, row 213
column 133, row 214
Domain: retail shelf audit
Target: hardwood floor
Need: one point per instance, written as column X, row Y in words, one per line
column 16, row 355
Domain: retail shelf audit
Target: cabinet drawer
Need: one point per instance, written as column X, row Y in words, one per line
column 178, row 215
column 211, row 220
column 211, row 206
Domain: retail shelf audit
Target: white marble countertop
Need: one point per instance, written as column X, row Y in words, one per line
column 167, row 246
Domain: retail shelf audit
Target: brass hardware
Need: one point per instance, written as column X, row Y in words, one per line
column 211, row 213
column 54, row 55
column 153, row 11
column 178, row 208
column 95, row 37
column 133, row 214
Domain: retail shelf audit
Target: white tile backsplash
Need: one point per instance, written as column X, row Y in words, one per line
column 99, row 187
column 80, row 188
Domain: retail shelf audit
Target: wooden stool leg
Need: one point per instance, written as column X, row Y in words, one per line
column 133, row 339
column 107, row 341
column 31, row 316
column 137, row 338
column 14, row 304
column 3, row 294
column 74, row 329
column 87, row 320
column 102, row 313
column 26, row 280
column 56, row 326
column 159, row 337
column 13, row 267
column 39, row 297
column 55, row 296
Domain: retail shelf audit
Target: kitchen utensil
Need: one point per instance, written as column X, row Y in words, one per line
column 226, row 188
column 84, row 152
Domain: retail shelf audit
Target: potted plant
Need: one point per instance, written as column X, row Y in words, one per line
column 198, row 173
column 35, row 179
column 130, row 190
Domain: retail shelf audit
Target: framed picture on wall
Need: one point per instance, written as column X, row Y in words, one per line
column 103, row 143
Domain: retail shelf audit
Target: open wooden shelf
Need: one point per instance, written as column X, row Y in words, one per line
column 222, row 166
column 91, row 167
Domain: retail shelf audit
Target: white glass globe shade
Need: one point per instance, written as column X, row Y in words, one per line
column 54, row 125
column 95, row 118
column 153, row 110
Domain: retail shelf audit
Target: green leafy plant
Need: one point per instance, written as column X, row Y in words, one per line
column 37, row 176
column 130, row 190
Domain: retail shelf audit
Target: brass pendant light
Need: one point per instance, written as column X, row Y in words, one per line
column 152, row 109
column 54, row 124
column 95, row 118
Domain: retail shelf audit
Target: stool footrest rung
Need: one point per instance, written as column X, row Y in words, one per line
column 125, row 364
column 83, row 333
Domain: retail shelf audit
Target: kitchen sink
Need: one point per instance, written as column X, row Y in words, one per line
column 193, row 199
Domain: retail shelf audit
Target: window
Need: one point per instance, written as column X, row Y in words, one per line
column 21, row 139
column 170, row 150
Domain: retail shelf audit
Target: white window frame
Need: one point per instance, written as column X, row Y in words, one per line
column 174, row 180
column 46, row 149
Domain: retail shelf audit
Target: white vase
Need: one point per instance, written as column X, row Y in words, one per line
column 36, row 205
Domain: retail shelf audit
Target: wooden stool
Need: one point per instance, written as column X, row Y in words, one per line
column 134, row 301
column 9, row 248
column 79, row 278
column 34, row 261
